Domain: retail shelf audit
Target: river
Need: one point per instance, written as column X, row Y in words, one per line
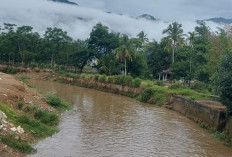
column 108, row 125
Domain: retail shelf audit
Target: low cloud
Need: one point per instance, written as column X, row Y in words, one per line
column 78, row 21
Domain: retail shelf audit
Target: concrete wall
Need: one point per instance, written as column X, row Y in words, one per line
column 107, row 87
column 210, row 117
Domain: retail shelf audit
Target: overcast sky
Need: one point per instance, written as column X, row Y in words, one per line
column 42, row 14
column 165, row 9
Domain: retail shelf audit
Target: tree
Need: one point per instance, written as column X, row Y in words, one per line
column 102, row 41
column 175, row 34
column 143, row 37
column 56, row 39
column 158, row 59
column 81, row 54
column 223, row 81
column 125, row 51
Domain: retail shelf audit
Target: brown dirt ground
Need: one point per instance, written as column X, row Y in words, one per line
column 12, row 90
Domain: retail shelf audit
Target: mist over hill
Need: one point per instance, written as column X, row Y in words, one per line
column 78, row 21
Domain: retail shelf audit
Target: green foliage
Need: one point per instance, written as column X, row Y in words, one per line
column 10, row 141
column 20, row 105
column 45, row 117
column 159, row 98
column 23, row 77
column 58, row 103
column 102, row 78
column 223, row 81
column 136, row 82
column 9, row 70
column 159, row 83
column 176, row 86
column 146, row 95
column 27, row 123
column 223, row 136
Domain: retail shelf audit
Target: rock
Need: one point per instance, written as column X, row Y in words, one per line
column 20, row 130
column 5, row 95
column 13, row 129
column 1, row 126
column 0, row 78
column 2, row 116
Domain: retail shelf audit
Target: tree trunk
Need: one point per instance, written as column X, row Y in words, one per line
column 52, row 60
column 173, row 53
column 125, row 65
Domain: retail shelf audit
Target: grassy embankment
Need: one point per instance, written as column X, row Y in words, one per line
column 39, row 123
column 154, row 92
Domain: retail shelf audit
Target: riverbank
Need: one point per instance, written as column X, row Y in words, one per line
column 25, row 116
column 201, row 108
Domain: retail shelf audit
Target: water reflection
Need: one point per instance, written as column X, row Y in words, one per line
column 104, row 124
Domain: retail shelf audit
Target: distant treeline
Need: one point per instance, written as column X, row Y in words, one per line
column 192, row 56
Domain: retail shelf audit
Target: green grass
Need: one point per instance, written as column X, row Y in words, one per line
column 10, row 141
column 37, row 128
column 58, row 103
column 23, row 77
column 223, row 137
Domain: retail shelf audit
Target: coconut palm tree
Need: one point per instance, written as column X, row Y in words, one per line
column 143, row 37
column 191, row 38
column 175, row 34
column 125, row 51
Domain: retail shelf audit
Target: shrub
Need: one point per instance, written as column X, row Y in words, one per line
column 175, row 86
column 23, row 77
column 147, row 94
column 46, row 118
column 20, row 105
column 199, row 86
column 30, row 109
column 127, row 80
column 223, row 81
column 159, row 98
column 102, row 78
column 159, row 83
column 136, row 82
column 110, row 79
column 57, row 102
column 36, row 70
column 96, row 77
column 16, row 144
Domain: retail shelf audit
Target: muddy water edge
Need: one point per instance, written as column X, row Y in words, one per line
column 104, row 124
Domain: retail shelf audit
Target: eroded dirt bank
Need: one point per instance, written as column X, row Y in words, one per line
column 13, row 91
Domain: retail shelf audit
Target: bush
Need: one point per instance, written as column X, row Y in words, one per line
column 110, row 79
column 199, row 86
column 102, row 78
column 96, row 77
column 9, row 70
column 23, row 77
column 16, row 144
column 159, row 98
column 20, row 105
column 146, row 94
column 223, row 81
column 30, row 109
column 136, row 82
column 159, row 83
column 46, row 118
column 176, row 86
column 57, row 102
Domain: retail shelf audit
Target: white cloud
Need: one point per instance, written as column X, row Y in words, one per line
column 78, row 21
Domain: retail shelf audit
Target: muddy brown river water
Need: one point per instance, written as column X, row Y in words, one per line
column 108, row 125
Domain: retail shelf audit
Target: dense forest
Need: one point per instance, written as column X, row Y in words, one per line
column 199, row 55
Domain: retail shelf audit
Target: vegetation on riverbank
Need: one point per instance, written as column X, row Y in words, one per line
column 27, row 121
column 194, row 92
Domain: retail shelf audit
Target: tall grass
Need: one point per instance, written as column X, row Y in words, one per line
column 58, row 103
column 29, row 124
